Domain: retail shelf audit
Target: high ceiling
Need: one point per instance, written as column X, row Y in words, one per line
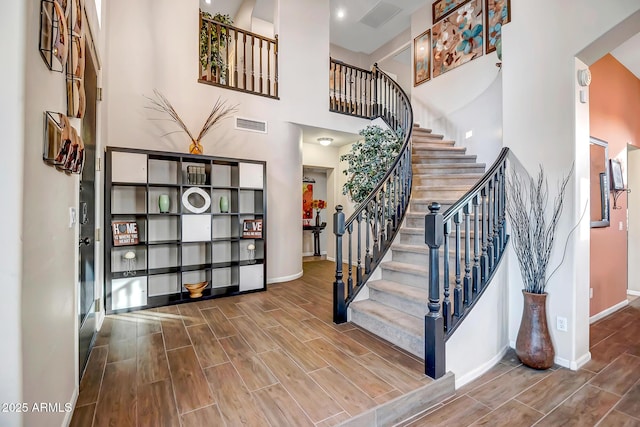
column 384, row 19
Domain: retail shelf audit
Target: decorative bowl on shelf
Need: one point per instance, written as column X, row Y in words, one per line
column 195, row 289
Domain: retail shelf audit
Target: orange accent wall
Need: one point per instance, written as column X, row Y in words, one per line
column 614, row 111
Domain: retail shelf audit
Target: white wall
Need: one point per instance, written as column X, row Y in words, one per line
column 633, row 198
column 482, row 338
column 165, row 58
column 50, row 264
column 544, row 123
column 13, row 24
column 483, row 117
column 434, row 101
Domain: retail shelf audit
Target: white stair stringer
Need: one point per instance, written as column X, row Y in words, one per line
column 397, row 303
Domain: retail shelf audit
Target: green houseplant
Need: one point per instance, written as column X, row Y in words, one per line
column 533, row 234
column 215, row 59
column 369, row 160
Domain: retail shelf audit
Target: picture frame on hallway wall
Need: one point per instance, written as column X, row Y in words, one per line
column 442, row 8
column 617, row 181
column 457, row 39
column 422, row 58
column 498, row 13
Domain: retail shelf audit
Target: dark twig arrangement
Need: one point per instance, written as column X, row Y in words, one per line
column 532, row 235
column 219, row 112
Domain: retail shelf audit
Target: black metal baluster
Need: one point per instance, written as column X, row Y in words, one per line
column 490, row 225
column 484, row 262
column 458, row 294
column 470, row 288
column 367, row 255
column 476, row 240
column 446, row 303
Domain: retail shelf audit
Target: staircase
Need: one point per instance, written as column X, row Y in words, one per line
column 397, row 303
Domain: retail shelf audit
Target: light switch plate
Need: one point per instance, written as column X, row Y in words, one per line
column 72, row 217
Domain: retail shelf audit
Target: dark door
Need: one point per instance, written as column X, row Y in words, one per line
column 86, row 215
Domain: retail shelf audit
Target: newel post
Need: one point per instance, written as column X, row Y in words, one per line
column 339, row 304
column 434, row 356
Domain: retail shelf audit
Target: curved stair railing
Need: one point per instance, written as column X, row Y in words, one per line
column 477, row 225
column 368, row 233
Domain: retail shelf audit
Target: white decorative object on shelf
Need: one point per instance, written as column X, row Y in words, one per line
column 187, row 204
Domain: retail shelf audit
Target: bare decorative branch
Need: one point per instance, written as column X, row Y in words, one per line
column 533, row 237
column 219, row 112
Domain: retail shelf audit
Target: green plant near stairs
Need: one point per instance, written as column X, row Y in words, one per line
column 369, row 160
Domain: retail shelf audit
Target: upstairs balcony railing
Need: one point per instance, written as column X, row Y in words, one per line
column 237, row 59
column 370, row 230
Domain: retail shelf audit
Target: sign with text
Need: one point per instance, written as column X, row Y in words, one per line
column 252, row 229
column 124, row 233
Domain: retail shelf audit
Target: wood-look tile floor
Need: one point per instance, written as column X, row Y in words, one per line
column 604, row 392
column 271, row 358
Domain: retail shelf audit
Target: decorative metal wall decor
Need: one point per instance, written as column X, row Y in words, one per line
column 54, row 35
column 76, row 99
column 498, row 14
column 63, row 147
column 422, row 58
column 458, row 38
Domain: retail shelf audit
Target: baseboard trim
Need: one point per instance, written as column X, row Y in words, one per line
column 74, row 399
column 284, row 278
column 581, row 361
column 634, row 293
column 608, row 311
column 477, row 372
column 311, row 253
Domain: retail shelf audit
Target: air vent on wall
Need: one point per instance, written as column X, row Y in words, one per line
column 380, row 14
column 251, row 125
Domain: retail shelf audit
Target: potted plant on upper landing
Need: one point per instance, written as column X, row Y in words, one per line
column 213, row 62
column 533, row 236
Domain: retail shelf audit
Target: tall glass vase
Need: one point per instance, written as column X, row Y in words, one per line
column 318, row 223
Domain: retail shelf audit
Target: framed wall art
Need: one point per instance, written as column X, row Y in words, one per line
column 442, row 8
column 422, row 58
column 498, row 14
column 617, row 181
column 458, row 38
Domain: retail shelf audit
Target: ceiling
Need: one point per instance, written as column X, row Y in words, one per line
column 628, row 54
column 384, row 19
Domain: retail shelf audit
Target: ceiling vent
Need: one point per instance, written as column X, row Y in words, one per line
column 251, row 125
column 380, row 14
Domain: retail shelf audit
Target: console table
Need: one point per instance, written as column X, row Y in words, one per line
column 316, row 230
